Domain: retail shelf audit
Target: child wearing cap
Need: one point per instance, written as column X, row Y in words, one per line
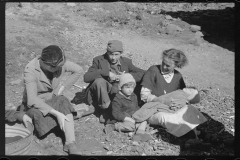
column 124, row 104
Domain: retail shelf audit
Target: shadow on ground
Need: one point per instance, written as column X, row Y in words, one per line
column 222, row 143
column 79, row 97
column 216, row 25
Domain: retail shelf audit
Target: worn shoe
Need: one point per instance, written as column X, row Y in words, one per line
column 197, row 144
column 72, row 149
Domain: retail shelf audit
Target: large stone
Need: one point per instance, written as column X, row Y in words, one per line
column 199, row 34
column 168, row 17
column 171, row 28
column 195, row 28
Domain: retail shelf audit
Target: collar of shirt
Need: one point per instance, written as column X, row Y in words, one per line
column 117, row 64
column 168, row 77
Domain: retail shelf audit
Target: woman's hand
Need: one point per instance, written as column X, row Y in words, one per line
column 26, row 119
column 60, row 117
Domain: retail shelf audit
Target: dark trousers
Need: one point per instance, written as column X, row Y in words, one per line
column 101, row 91
column 43, row 124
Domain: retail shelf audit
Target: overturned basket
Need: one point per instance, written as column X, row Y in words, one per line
column 20, row 146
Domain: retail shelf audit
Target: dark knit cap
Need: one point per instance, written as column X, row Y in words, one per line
column 196, row 99
column 52, row 55
column 115, row 46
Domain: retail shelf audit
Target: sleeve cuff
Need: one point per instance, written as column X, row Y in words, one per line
column 20, row 115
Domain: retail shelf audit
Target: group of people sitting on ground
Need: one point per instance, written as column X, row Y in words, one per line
column 120, row 93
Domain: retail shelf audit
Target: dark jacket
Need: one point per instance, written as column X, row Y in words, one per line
column 154, row 80
column 12, row 115
column 123, row 107
column 101, row 67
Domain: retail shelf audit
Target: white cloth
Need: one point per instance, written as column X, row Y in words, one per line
column 168, row 77
column 180, row 122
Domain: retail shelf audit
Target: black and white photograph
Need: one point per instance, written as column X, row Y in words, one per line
column 120, row 79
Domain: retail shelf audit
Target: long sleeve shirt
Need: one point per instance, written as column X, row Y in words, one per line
column 38, row 88
column 146, row 94
column 154, row 83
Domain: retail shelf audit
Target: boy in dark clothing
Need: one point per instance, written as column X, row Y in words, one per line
column 13, row 116
column 104, row 74
column 124, row 104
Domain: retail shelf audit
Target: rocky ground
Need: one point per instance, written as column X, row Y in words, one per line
column 145, row 29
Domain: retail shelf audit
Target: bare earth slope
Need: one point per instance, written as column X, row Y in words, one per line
column 31, row 28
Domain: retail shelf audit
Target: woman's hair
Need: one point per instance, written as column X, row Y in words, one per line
column 177, row 56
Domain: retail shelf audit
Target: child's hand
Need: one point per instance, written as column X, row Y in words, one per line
column 26, row 119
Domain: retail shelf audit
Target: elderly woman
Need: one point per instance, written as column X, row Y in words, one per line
column 42, row 99
column 163, row 79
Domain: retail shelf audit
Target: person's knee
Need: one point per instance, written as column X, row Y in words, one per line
column 105, row 105
column 156, row 118
column 99, row 82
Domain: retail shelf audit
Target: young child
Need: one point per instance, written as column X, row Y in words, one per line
column 124, row 104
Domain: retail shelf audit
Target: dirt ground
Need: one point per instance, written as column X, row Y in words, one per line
column 33, row 26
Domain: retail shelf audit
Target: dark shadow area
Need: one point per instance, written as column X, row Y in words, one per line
column 218, row 26
column 78, row 98
column 56, row 131
column 221, row 140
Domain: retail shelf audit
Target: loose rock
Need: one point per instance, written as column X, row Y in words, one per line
column 195, row 28
column 16, row 82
